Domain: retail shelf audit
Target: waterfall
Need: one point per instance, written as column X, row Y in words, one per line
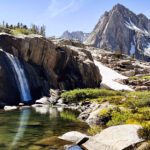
column 20, row 77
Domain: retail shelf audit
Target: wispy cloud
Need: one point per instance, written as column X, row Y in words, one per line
column 58, row 7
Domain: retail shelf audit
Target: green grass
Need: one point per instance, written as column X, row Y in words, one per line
column 18, row 31
column 139, row 78
column 137, row 99
column 67, row 115
column 87, row 94
column 128, row 107
column 119, row 117
column 94, row 130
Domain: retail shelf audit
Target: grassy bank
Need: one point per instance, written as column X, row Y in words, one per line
column 128, row 107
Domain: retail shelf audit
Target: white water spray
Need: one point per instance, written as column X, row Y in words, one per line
column 20, row 77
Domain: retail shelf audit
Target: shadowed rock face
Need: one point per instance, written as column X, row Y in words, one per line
column 123, row 31
column 46, row 65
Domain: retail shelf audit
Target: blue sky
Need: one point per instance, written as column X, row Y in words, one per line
column 61, row 15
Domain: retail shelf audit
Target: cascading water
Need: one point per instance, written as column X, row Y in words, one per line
column 20, row 77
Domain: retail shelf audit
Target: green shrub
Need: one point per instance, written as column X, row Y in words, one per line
column 145, row 131
column 119, row 117
column 139, row 78
column 137, row 99
column 21, row 31
column 84, row 94
column 145, row 112
column 94, row 130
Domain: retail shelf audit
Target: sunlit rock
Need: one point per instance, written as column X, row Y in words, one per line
column 9, row 108
column 114, row 138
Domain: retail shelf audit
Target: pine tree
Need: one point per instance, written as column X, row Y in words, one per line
column 11, row 26
column 43, row 30
column 18, row 25
column 3, row 24
column 7, row 26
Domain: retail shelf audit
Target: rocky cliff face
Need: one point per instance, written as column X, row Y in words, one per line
column 123, row 31
column 46, row 64
column 78, row 35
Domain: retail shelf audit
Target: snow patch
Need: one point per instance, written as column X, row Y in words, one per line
column 129, row 24
column 109, row 76
column 132, row 50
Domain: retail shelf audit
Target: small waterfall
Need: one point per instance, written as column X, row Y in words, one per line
column 20, row 77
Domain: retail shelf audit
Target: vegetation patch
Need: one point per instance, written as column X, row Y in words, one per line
column 145, row 131
column 68, row 115
column 128, row 107
column 77, row 95
column 139, row 78
column 94, row 130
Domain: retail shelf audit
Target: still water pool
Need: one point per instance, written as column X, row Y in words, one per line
column 38, row 128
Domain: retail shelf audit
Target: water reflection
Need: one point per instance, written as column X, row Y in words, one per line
column 46, row 109
column 42, row 109
column 37, row 128
column 24, row 117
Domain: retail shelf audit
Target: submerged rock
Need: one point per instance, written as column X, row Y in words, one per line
column 74, row 147
column 114, row 138
column 51, row 141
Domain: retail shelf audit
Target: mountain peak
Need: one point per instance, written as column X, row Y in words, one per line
column 119, row 6
column 122, row 30
column 77, row 35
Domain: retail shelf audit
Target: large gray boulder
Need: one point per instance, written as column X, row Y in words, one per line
column 114, row 138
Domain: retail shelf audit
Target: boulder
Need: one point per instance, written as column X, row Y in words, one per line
column 124, row 62
column 43, row 100
column 54, row 96
column 144, row 146
column 114, row 138
column 141, row 88
column 94, row 118
column 74, row 137
column 9, row 108
column 129, row 73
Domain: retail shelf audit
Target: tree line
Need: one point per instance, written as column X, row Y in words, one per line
column 33, row 28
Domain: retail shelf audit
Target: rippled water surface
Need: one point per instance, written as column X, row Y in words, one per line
column 37, row 129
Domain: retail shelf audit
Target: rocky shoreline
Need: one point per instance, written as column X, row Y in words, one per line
column 89, row 113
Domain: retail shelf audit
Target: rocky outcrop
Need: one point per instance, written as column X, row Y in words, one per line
column 46, row 64
column 136, row 72
column 114, row 138
column 122, row 31
column 78, row 35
